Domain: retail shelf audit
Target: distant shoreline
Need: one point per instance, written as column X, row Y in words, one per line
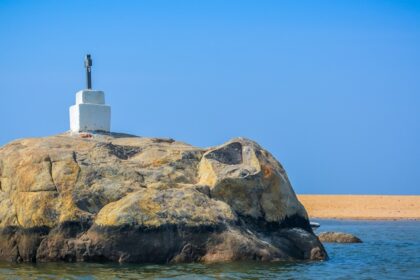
column 362, row 207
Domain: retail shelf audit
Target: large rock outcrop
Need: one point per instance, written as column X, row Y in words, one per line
column 115, row 197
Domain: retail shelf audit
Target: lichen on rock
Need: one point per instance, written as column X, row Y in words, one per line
column 116, row 197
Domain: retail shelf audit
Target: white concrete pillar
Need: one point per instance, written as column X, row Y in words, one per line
column 90, row 112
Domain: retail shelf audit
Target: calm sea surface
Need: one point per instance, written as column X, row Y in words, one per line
column 391, row 250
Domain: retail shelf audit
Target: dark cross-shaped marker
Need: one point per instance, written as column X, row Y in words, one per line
column 88, row 64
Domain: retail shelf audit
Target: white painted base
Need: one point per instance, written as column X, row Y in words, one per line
column 89, row 96
column 90, row 112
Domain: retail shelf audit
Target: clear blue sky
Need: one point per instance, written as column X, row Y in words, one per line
column 331, row 88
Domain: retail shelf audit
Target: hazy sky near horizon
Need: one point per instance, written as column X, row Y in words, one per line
column 331, row 88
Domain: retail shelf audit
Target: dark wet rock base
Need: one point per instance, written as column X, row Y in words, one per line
column 74, row 241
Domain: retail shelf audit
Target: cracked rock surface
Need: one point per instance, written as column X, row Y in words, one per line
column 123, row 198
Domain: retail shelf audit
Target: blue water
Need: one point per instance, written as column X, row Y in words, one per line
column 391, row 250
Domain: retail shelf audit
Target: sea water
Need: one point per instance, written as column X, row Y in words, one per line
column 391, row 250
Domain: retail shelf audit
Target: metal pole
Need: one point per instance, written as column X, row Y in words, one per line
column 88, row 64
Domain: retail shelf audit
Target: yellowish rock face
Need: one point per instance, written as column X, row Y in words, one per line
column 177, row 206
column 249, row 179
column 118, row 179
